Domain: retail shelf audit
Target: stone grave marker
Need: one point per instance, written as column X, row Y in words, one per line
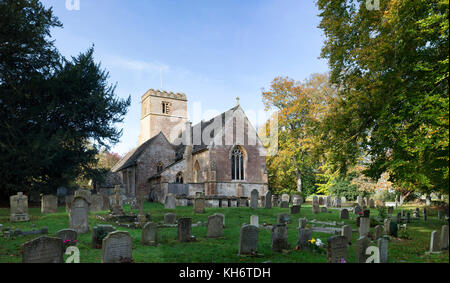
column 321, row 202
column 383, row 247
column 357, row 209
column 254, row 196
column 86, row 194
column 96, row 203
column 19, row 208
column 254, row 220
column 295, row 209
column 274, row 200
column 364, row 227
column 371, row 203
column 284, row 204
column 378, row 232
column 49, row 204
column 268, row 200
column 79, row 215
column 150, row 234
column 361, row 246
column 302, row 222
column 199, row 204
column 43, row 250
column 304, row 236
column 282, row 218
column 222, row 216
column 185, row 230
column 344, row 214
column 347, row 233
column 337, row 249
column 444, row 238
column 170, row 218
column 248, row 241
column 215, row 226
column 67, row 234
column 279, row 238
column 170, row 202
column 285, row 197
column 117, row 246
column 434, row 243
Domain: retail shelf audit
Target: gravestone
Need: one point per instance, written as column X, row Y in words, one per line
column 399, row 217
column 364, row 226
column 149, row 235
column 387, row 224
column 285, row 197
column 378, row 232
column 170, row 202
column 347, row 233
column 96, row 203
column 361, row 246
column 316, row 208
column 215, row 226
column 343, row 199
column 170, row 218
column 357, row 209
column 79, row 215
column 116, row 207
column 383, row 247
column 297, row 200
column 254, row 220
column 302, row 222
column 408, row 217
column 279, row 238
column 68, row 199
column 248, row 240
column 117, row 246
column 390, row 209
column 43, row 250
column 304, row 236
column 328, row 201
column 444, row 238
column 254, row 196
column 106, row 203
column 295, row 209
column 371, row 203
column 199, row 204
column 321, row 202
column 434, row 243
column 284, row 204
column 360, row 201
column 97, row 238
column 393, row 229
column 86, row 194
column 49, row 204
column 19, row 208
column 344, row 214
column 268, row 200
column 67, row 234
column 185, row 229
column 222, row 216
column 337, row 249
column 282, row 218
column 338, row 202
column 274, row 200
column 366, row 213
column 324, row 210
column 424, row 214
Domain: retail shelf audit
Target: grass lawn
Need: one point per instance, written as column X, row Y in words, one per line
column 223, row 249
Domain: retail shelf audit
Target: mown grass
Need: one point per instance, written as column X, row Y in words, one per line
column 224, row 249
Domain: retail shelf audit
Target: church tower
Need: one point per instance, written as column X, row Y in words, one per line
column 164, row 112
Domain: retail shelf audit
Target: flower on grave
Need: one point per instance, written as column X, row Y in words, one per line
column 342, row 261
column 312, row 241
column 319, row 243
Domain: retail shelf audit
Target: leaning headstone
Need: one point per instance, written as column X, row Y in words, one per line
column 96, row 203
column 304, row 236
column 434, row 243
column 170, row 218
column 170, row 202
column 444, row 238
column 378, row 232
column 19, row 208
column 284, row 204
column 79, row 215
column 117, row 246
column 149, row 235
column 215, row 226
column 43, row 250
column 67, row 235
column 344, row 214
column 99, row 232
column 295, row 209
column 337, row 249
column 185, row 229
column 383, row 247
column 361, row 246
column 254, row 196
column 364, row 226
column 347, row 233
column 49, row 204
column 268, row 200
column 248, row 241
column 279, row 238
column 254, row 220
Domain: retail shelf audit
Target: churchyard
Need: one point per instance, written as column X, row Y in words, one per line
column 164, row 244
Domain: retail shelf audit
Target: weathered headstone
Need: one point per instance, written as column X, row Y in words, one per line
column 282, row 218
column 68, row 199
column 284, row 204
column 361, row 246
column 254, row 220
column 360, row 201
column 324, row 210
column 19, row 208
column 116, row 208
column 170, row 218
column 337, row 249
column 248, row 241
column 371, row 203
column 344, row 214
column 254, row 196
column 357, row 209
column 295, row 209
column 67, row 234
column 199, row 204
column 170, row 202
column 304, row 236
column 321, row 201
column 96, row 203
column 347, row 233
column 343, row 199
column 79, row 215
column 222, row 216
column 302, row 222
column 387, row 224
column 117, row 246
column 185, row 229
column 279, row 238
column 383, row 248
column 215, row 226
column 285, row 197
column 43, row 250
column 444, row 238
column 49, row 204
column 377, row 232
column 149, row 234
column 393, row 229
column 297, row 200
column 316, row 208
column 268, row 200
column 274, row 200
column 434, row 243
column 86, row 194
column 364, row 227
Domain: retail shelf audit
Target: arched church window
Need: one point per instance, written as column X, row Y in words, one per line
column 165, row 107
column 179, row 178
column 159, row 167
column 237, row 164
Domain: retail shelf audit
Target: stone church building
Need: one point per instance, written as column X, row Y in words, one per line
column 221, row 157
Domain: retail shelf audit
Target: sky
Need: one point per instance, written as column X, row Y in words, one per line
column 211, row 50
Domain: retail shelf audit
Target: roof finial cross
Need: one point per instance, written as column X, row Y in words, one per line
column 237, row 100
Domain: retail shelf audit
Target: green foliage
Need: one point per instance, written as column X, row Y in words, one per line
column 404, row 234
column 382, row 212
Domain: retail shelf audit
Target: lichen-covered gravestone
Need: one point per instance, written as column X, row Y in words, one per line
column 43, row 250
column 254, row 196
column 49, row 204
column 199, row 204
column 347, row 233
column 444, row 238
column 337, row 249
column 364, row 226
column 361, row 246
column 86, row 194
column 304, row 236
column 215, row 226
column 268, row 200
column 279, row 238
column 67, row 235
column 377, row 232
column 117, row 246
column 248, row 241
column 295, row 209
column 170, row 218
column 383, row 247
column 96, row 203
column 344, row 214
column 150, row 234
column 79, row 215
column 19, row 208
column 170, row 202
column 185, row 229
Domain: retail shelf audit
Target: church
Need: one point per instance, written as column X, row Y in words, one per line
column 221, row 157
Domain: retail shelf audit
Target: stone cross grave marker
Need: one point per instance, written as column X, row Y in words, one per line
column 19, row 208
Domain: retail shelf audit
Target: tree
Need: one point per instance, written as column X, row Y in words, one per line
column 55, row 113
column 300, row 107
column 391, row 69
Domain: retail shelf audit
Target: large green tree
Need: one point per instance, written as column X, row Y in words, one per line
column 391, row 66
column 55, row 113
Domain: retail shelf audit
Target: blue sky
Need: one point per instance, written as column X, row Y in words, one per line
column 212, row 50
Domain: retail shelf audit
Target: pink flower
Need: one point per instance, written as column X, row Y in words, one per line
column 343, row 261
